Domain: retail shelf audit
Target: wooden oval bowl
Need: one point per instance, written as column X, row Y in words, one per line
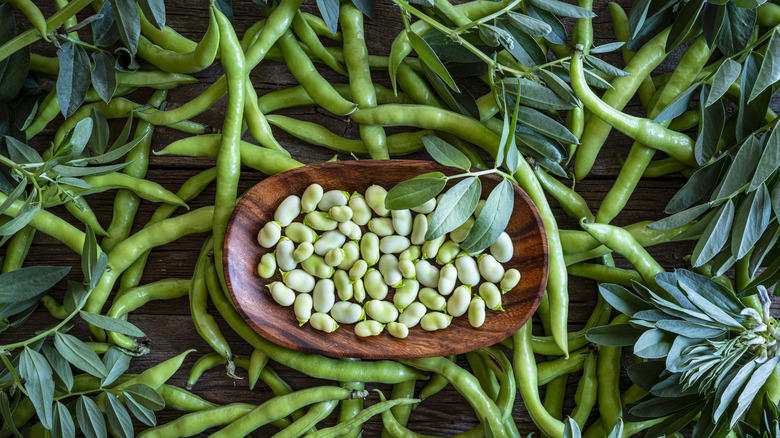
column 278, row 324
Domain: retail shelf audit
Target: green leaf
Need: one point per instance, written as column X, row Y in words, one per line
column 104, row 75
column 679, row 105
column 140, row 412
column 563, row 9
column 14, row 73
column 13, row 196
column 711, row 128
column 528, row 25
column 104, row 30
column 571, row 429
column 712, row 310
column 445, row 153
column 533, row 94
column 559, row 87
column 606, row 48
column 770, row 67
column 494, row 36
column 524, row 48
column 757, row 380
column 545, row 125
column 98, row 139
column 751, row 221
column 429, row 57
column 462, row 102
column 769, row 162
column 329, row 10
column 690, row 329
column 74, row 171
column 700, row 183
column 154, row 11
column 604, row 66
column 365, row 6
column 20, row 152
column 492, row 219
column 653, row 344
column 622, row 299
column 741, row 169
column 94, row 261
column 454, row 208
column 116, row 363
column 616, row 335
column 27, row 104
column 764, row 245
column 63, row 425
column 750, row 116
column 776, row 200
column 145, row 396
column 727, row 73
column 91, row 421
column 5, row 409
column 73, row 80
column 78, row 139
column 686, row 18
column 38, row 383
column 28, row 282
column 558, row 34
column 59, row 365
column 736, row 28
column 128, row 22
column 715, row 236
column 416, row 191
column 118, row 417
column 111, row 324
column 26, row 213
column 79, row 354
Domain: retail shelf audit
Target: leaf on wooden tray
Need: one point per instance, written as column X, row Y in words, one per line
column 38, row 383
column 91, row 421
column 104, row 75
column 118, row 417
column 416, row 191
column 454, row 208
column 79, row 354
column 528, row 25
column 492, row 219
column 710, row 130
column 750, row 222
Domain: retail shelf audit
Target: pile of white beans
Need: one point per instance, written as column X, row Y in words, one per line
column 382, row 278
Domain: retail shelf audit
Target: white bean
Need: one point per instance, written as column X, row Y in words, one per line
column 393, row 244
column 319, row 221
column 459, row 234
column 269, row 235
column 412, row 253
column 427, row 274
column 492, row 296
column 426, row 207
column 411, row 316
column 376, row 287
column 435, row 321
column 299, row 281
column 303, row 252
column 311, row 197
column 281, row 293
column 334, row 257
column 340, row 213
column 407, row 268
column 323, row 322
column 316, row 266
column 468, row 273
column 302, row 308
column 510, row 280
column 284, row 254
column 490, row 269
column 351, row 254
column 432, row 299
column 382, row 311
column 267, row 266
column 447, row 252
column 431, row 247
column 406, row 294
column 381, row 226
column 375, row 198
column 288, row 210
column 419, row 228
column 299, row 233
column 477, row 312
column 351, row 230
column 368, row 328
column 359, row 290
column 402, row 221
column 502, row 249
column 324, row 295
column 332, row 198
column 343, row 285
column 328, row 241
column 448, row 275
column 369, row 248
column 397, row 330
column 346, row 312
column 458, row 303
column 388, row 267
column 358, row 270
column 361, row 213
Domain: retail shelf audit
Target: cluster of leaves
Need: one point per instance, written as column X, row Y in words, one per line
column 449, row 54
column 768, row 427
column 43, row 371
column 727, row 24
column 739, row 215
column 45, row 182
column 456, row 206
column 707, row 355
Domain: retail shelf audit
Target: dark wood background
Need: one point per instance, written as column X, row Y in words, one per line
column 168, row 324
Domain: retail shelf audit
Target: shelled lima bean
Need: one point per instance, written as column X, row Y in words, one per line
column 341, row 258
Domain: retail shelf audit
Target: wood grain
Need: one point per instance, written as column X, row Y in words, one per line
column 250, row 293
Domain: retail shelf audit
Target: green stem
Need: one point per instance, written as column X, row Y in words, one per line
column 42, row 335
column 11, row 369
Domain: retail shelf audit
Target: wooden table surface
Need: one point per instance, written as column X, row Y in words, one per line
column 168, row 323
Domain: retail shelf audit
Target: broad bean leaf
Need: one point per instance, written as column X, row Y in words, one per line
column 73, row 80
column 454, row 208
column 735, row 29
column 21, row 153
column 622, row 299
column 492, row 219
column 76, row 140
column 128, row 23
column 445, row 153
column 653, row 344
column 617, row 335
column 524, row 48
column 769, row 162
column 495, row 36
column 416, row 191
column 140, row 412
column 715, row 236
column 116, row 363
column 154, row 11
column 770, row 67
column 118, row 417
column 28, row 282
column 679, row 105
column 687, row 17
column 545, row 125
column 528, row 25
column 742, row 169
column 650, row 26
column 699, row 184
column 462, row 102
column 540, row 144
column 7, row 415
column 365, row 6
column 558, row 34
column 559, row 87
column 79, row 354
column 727, row 73
column 73, row 171
column 104, row 30
column 60, row 366
column 63, row 425
column 764, row 245
column 604, row 66
column 98, row 139
column 679, row 219
column 534, row 95
column 751, row 221
column 713, row 119
column 606, row 48
column 13, row 75
column 104, row 75
column 145, row 396
column 38, row 383
column 563, row 9
column 751, row 114
column 93, row 261
column 91, row 421
column 429, row 57
column 111, row 324
column 751, row 388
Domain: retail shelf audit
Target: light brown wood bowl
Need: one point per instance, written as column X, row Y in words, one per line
column 278, row 324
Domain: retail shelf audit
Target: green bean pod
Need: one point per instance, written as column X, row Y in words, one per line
column 146, row 189
column 606, row 274
column 197, row 422
column 296, row 96
column 316, row 413
column 28, row 8
column 346, row 427
column 608, row 375
column 308, row 36
column 79, row 209
column 587, row 392
column 17, row 249
column 257, row 123
column 352, row 407
column 192, row 61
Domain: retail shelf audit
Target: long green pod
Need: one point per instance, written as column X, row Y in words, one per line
column 623, row 34
column 190, row 62
column 587, row 392
column 401, row 412
column 126, row 202
column 606, row 274
column 308, row 36
column 198, row 422
column 188, row 191
column 597, row 130
column 315, row 414
column 608, row 375
column 581, row 241
column 552, row 369
column 146, row 189
column 78, row 208
column 296, row 96
column 18, row 248
column 313, row 365
column 362, row 417
column 167, row 37
column 126, row 252
column 642, row 130
column 473, row 131
column 257, row 122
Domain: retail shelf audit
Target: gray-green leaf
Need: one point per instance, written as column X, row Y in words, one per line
column 38, row 382
column 79, row 354
column 73, row 80
column 111, row 324
column 714, row 236
column 416, row 191
column 712, row 123
column 429, row 57
column 140, row 412
column 727, row 73
column 770, row 67
column 104, row 75
column 445, row 153
column 741, row 169
column 751, row 221
column 116, row 363
column 769, row 162
column 530, row 26
column 20, row 152
column 63, row 423
column 60, row 366
column 28, row 282
column 91, row 421
column 545, row 125
column 146, row 396
column 118, row 417
column 128, row 22
column 154, row 11
column 563, row 9
column 454, row 208
column 492, row 219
